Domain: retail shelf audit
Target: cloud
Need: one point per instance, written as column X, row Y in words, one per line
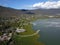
column 47, row 5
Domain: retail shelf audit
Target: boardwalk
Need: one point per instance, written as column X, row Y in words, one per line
column 31, row 34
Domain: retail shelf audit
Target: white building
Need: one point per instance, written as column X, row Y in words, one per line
column 51, row 16
column 20, row 30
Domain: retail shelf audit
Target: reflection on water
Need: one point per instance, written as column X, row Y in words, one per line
column 50, row 30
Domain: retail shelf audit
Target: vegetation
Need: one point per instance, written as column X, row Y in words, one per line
column 25, row 24
column 26, row 40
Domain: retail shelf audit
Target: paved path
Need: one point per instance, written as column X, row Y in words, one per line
column 31, row 34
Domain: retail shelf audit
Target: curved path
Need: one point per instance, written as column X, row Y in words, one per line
column 31, row 34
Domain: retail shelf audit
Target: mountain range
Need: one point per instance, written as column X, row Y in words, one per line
column 7, row 11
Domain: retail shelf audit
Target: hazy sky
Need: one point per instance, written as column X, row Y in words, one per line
column 30, row 4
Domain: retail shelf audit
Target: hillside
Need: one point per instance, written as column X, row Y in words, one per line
column 6, row 11
column 47, row 11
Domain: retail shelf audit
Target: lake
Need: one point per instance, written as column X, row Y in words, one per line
column 49, row 30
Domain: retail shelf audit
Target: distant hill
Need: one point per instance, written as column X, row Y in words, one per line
column 47, row 11
column 6, row 11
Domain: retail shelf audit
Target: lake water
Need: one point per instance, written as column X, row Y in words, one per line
column 49, row 30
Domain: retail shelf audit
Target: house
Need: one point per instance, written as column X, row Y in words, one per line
column 51, row 16
column 20, row 30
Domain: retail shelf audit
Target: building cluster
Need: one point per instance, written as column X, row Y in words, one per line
column 5, row 37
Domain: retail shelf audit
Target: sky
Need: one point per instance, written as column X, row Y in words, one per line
column 30, row 4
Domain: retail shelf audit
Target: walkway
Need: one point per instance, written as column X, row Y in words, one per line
column 31, row 34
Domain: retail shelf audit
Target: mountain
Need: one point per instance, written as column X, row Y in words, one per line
column 7, row 11
column 47, row 11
